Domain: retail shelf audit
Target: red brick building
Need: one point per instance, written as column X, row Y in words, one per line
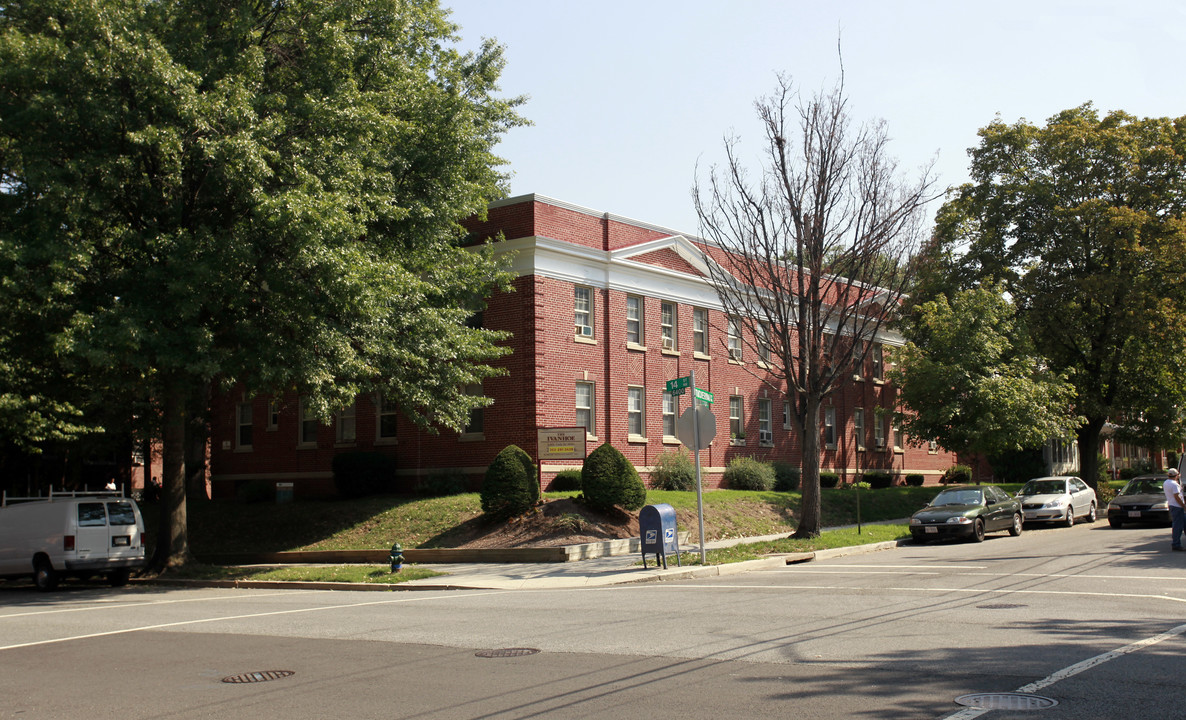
column 644, row 314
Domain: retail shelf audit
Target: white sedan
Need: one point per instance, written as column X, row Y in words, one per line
column 1058, row 499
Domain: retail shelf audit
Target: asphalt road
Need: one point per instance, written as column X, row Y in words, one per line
column 1089, row 617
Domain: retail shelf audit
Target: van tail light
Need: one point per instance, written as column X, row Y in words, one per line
column 68, row 542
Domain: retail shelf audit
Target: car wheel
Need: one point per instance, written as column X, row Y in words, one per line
column 1069, row 520
column 1116, row 523
column 1015, row 529
column 978, row 530
column 44, row 576
column 119, row 578
column 1091, row 514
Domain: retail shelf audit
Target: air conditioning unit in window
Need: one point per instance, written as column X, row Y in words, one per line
column 765, row 436
column 668, row 344
column 584, row 330
column 735, row 353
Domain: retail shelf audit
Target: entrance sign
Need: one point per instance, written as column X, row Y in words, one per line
column 567, row 443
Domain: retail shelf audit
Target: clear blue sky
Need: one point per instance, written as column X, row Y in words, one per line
column 627, row 97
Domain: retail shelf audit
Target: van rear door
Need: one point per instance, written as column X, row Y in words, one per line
column 91, row 536
column 125, row 527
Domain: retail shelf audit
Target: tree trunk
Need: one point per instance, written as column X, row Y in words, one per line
column 1088, row 437
column 197, row 435
column 172, row 548
column 809, row 506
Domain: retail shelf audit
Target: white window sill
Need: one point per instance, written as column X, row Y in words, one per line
column 641, row 439
column 670, row 440
column 701, row 356
column 673, row 353
column 736, row 362
column 737, row 443
column 243, row 449
column 386, row 441
column 306, row 446
column 471, row 437
column 584, row 340
column 635, row 347
column 766, row 444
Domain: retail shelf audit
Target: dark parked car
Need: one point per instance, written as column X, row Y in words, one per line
column 1141, row 500
column 967, row 511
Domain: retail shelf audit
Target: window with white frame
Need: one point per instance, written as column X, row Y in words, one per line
column 273, row 414
column 830, row 427
column 307, row 434
column 734, row 339
column 763, row 341
column 700, row 331
column 858, row 428
column 243, row 434
column 786, row 414
column 583, row 310
column 765, row 431
column 634, row 324
column 346, row 424
column 879, row 431
column 668, row 415
column 667, row 325
column 736, row 421
column 933, row 447
column 858, row 358
column 635, row 412
column 388, row 424
column 476, row 424
column 899, row 437
column 584, row 407
column 878, row 361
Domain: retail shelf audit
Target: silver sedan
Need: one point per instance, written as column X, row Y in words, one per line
column 1058, row 499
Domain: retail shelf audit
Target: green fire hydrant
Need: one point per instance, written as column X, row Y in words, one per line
column 397, row 557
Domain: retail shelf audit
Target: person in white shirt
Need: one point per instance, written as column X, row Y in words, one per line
column 1173, row 496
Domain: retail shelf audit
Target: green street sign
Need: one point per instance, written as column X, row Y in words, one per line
column 703, row 396
column 678, row 385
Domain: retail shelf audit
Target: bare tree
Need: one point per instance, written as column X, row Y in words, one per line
column 811, row 261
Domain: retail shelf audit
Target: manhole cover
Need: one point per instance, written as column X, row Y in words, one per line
column 1006, row 701
column 254, row 677
column 506, row 652
column 1000, row 606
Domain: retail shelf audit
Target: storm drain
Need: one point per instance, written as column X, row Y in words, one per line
column 506, row 652
column 1006, row 701
column 256, row 677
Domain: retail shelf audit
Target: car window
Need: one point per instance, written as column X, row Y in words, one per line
column 1142, row 486
column 1078, row 485
column 91, row 515
column 1043, row 487
column 121, row 513
column 996, row 495
column 958, row 497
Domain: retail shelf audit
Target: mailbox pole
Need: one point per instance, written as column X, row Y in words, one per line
column 699, row 487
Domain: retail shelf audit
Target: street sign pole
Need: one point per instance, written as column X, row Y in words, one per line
column 699, row 487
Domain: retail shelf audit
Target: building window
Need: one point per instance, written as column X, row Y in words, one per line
column 763, row 340
column 879, row 431
column 700, row 331
column 858, row 428
column 899, row 438
column 734, row 339
column 765, row 432
column 933, row 447
column 635, row 412
column 477, row 416
column 668, row 415
column 584, row 407
column 583, row 307
column 878, row 361
column 736, row 423
column 634, row 320
column 667, row 325
column 243, row 434
column 347, row 425
column 388, row 419
column 858, row 359
column 273, row 414
column 786, row 414
column 307, row 434
column 829, row 427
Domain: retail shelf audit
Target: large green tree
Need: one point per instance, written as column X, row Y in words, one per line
column 1082, row 221
column 261, row 193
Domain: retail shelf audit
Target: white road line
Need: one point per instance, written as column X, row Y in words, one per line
column 1071, row 670
column 969, row 591
column 841, row 571
column 126, row 604
column 273, row 613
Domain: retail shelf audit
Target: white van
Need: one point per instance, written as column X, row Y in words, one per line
column 73, row 533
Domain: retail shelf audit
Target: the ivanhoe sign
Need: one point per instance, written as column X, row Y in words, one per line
column 566, row 443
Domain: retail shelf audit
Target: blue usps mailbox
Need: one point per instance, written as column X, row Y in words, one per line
column 656, row 525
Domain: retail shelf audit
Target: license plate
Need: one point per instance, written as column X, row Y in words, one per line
column 121, row 541
column 931, row 529
column 1134, row 513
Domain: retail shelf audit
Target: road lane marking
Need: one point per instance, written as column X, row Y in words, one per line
column 127, row 604
column 969, row 591
column 1072, row 670
column 273, row 613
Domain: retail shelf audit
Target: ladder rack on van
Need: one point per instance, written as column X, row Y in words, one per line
column 5, row 499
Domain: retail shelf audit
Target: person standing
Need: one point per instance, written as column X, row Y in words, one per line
column 1173, row 497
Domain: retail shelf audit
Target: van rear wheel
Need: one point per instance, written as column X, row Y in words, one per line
column 118, row 578
column 44, row 575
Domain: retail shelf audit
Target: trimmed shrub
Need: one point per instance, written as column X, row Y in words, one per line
column 443, row 484
column 878, row 479
column 673, row 470
column 914, row 480
column 358, row 474
column 746, row 473
column 566, row 480
column 957, row 475
column 829, row 479
column 609, row 479
column 510, row 486
column 786, row 476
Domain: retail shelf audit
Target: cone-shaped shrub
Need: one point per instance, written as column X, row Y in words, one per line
column 609, row 479
column 510, row 486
